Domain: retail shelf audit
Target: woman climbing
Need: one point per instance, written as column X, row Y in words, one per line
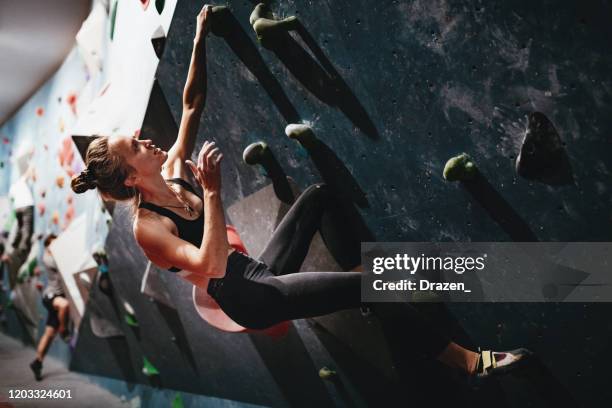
column 186, row 233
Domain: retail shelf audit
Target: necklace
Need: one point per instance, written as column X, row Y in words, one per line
column 185, row 205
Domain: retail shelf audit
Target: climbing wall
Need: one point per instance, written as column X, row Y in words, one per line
column 392, row 91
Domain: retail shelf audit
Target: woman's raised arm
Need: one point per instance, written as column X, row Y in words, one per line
column 194, row 97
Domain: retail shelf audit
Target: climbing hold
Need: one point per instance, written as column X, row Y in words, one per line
column 219, row 21
column 542, row 156
column 62, row 126
column 40, row 111
column 159, row 5
column 149, row 369
column 59, row 180
column 55, row 217
column 460, row 168
column 5, row 140
column 265, row 24
column 144, row 4
column 158, row 40
column 255, row 153
column 113, row 18
column 177, row 402
column 327, row 373
column 301, row 133
column 71, row 100
column 131, row 320
column 130, row 316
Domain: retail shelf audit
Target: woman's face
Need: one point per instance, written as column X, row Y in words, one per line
column 142, row 155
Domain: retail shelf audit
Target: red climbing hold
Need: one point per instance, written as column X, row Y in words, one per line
column 71, row 99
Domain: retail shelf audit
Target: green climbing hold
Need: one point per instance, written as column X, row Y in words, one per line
column 149, row 369
column 220, row 21
column 130, row 319
column 460, row 168
column 159, row 5
column 255, row 153
column 177, row 402
column 113, row 17
column 266, row 25
column 327, row 373
column 302, row 133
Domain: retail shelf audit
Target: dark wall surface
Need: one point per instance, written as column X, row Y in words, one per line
column 393, row 89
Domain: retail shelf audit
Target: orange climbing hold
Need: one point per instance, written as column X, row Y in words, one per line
column 71, row 99
column 40, row 111
column 60, row 181
column 66, row 155
column 55, row 218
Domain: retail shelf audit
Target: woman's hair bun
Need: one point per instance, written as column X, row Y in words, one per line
column 83, row 182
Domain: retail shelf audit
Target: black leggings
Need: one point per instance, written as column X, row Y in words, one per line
column 258, row 294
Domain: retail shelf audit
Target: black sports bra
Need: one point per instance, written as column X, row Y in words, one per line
column 189, row 230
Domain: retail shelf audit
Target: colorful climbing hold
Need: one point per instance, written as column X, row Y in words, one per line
column 177, row 402
column 60, row 181
column 255, row 153
column 113, row 18
column 302, row 133
column 66, row 155
column 265, row 24
column 327, row 373
column 71, row 100
column 61, row 125
column 131, row 320
column 149, row 369
column 55, row 218
column 41, row 209
column 460, row 168
column 40, row 111
column 5, row 140
column 144, row 4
